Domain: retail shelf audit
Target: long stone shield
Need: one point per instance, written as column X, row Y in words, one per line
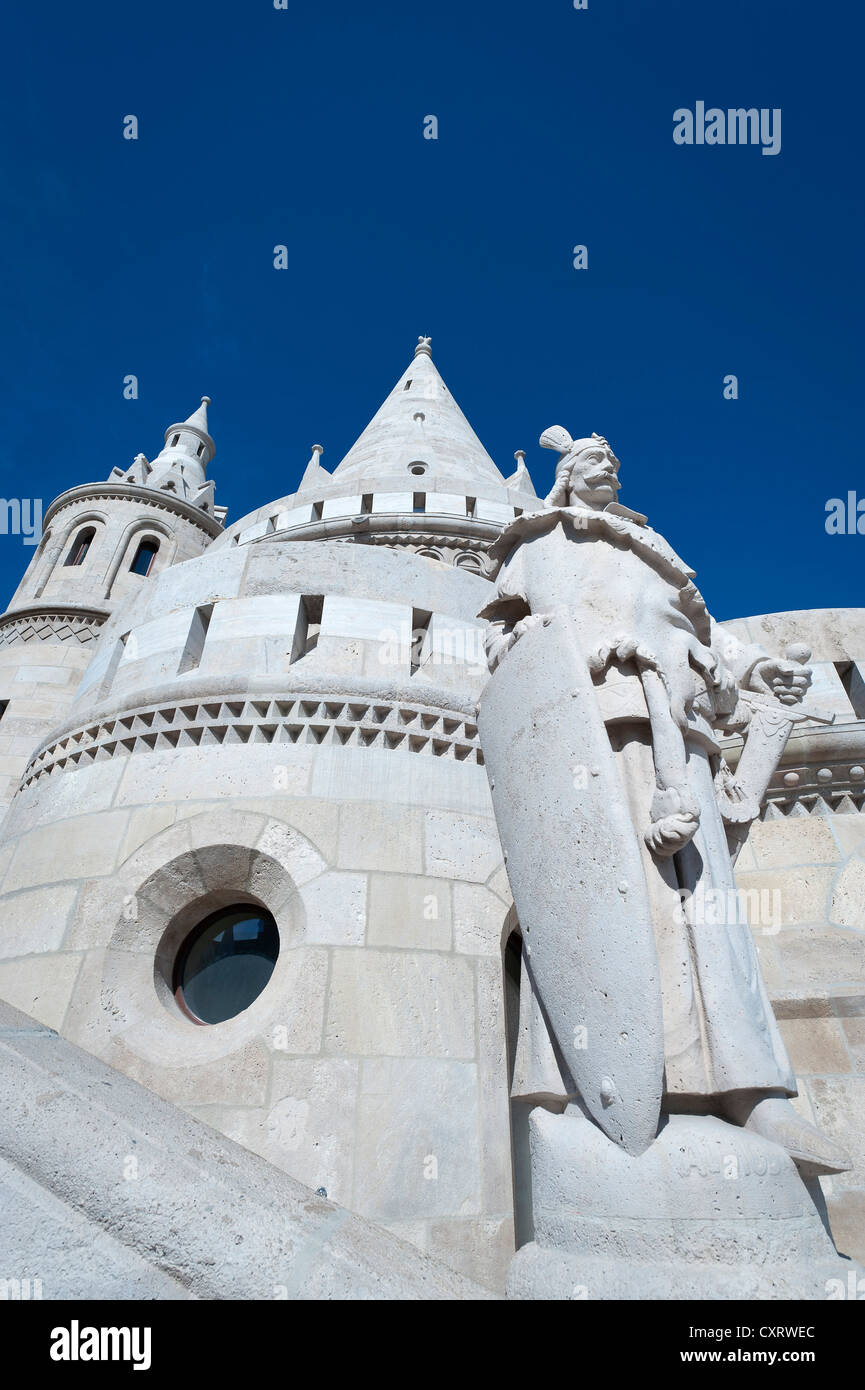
column 577, row 877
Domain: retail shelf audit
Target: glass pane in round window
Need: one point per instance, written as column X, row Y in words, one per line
column 226, row 963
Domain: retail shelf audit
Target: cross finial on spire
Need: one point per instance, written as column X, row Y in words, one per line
column 424, row 345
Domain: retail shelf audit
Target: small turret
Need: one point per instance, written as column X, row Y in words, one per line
column 101, row 543
column 181, row 467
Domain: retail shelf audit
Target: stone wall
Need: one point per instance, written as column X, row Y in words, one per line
column 344, row 791
column 811, row 943
column 806, row 857
column 340, row 785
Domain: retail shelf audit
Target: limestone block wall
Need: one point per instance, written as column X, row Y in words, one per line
column 373, row 1064
column 202, row 1219
column 803, row 869
column 267, row 723
column 43, row 656
column 348, row 797
column 437, row 516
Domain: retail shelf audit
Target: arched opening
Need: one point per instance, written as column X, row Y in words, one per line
column 144, row 557
column 467, row 561
column 520, row 1109
column 80, row 546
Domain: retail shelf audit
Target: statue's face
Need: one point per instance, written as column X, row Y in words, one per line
column 593, row 477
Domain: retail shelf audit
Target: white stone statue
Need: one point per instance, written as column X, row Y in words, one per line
column 617, row 814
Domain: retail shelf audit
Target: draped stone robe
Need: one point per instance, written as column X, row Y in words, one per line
column 622, row 581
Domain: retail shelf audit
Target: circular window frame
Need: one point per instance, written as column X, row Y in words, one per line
column 417, row 467
column 188, row 940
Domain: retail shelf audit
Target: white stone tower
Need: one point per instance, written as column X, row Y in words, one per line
column 287, row 721
column 102, row 542
column 276, row 725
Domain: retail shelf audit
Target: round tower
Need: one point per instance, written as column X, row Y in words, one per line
column 101, row 543
column 259, row 843
column 254, row 864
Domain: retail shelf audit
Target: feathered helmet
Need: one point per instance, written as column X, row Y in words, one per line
column 558, row 438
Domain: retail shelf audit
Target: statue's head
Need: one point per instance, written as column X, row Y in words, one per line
column 586, row 473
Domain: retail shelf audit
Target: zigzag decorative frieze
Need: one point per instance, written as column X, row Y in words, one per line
column 50, row 627
column 814, row 804
column 304, row 719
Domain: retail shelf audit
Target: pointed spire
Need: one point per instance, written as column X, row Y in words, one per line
column 521, row 480
column 196, row 424
column 314, row 474
column 419, row 429
column 181, row 466
column 198, row 418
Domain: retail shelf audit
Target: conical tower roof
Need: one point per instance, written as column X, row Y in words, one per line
column 197, row 424
column 419, row 423
column 198, row 418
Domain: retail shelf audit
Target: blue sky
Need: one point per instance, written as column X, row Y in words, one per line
column 304, row 127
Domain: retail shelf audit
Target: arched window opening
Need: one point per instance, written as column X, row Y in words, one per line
column 473, row 563
column 520, row 1109
column 175, row 441
column 80, row 546
column 144, row 557
column 225, row 963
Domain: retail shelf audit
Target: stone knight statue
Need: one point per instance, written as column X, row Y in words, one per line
column 600, row 724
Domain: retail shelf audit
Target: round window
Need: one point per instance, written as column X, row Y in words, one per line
column 225, row 963
column 417, row 467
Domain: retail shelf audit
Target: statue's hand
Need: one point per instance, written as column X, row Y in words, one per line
column 717, row 675
column 533, row 620
column 726, row 689
column 787, row 679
